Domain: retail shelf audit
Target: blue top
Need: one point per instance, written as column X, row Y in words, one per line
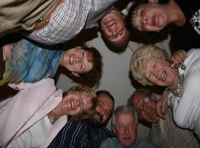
column 139, row 143
column 80, row 135
column 30, row 63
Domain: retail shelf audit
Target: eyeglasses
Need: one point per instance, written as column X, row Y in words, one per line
column 143, row 104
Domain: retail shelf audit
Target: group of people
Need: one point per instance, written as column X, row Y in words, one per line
column 150, row 65
column 35, row 36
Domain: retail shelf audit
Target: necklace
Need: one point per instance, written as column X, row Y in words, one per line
column 53, row 117
column 178, row 92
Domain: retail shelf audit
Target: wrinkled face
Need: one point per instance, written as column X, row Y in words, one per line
column 75, row 102
column 150, row 17
column 125, row 129
column 114, row 27
column 159, row 72
column 103, row 110
column 77, row 60
column 146, row 111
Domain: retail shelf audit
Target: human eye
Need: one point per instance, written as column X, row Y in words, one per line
column 81, row 67
column 148, row 75
column 107, row 113
column 121, row 34
column 154, row 65
column 121, row 126
column 130, row 125
column 141, row 13
column 111, row 38
column 100, row 104
column 83, row 54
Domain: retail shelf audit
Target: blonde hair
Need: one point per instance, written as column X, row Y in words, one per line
column 89, row 113
column 140, row 59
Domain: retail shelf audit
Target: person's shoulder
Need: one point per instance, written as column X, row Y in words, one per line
column 193, row 52
column 109, row 142
column 144, row 142
column 76, row 124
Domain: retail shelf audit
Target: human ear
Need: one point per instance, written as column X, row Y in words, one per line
column 113, row 129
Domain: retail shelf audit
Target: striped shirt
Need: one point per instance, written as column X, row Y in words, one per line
column 80, row 135
column 166, row 134
column 70, row 18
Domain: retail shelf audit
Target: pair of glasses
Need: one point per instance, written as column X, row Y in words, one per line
column 142, row 105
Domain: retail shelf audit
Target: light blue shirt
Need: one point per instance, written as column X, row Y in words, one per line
column 114, row 143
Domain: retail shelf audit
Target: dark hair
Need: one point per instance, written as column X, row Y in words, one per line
column 134, row 7
column 95, row 73
column 98, row 93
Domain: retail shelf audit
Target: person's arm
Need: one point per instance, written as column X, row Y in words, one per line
column 162, row 105
column 178, row 57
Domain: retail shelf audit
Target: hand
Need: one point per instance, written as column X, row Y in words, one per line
column 161, row 105
column 178, row 57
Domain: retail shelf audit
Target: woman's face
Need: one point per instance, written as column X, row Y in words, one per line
column 75, row 102
column 76, row 60
column 150, row 17
column 158, row 71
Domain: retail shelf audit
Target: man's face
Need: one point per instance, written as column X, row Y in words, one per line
column 114, row 28
column 125, row 129
column 103, row 111
column 145, row 110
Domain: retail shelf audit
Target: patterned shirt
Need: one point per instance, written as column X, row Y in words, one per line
column 80, row 135
column 29, row 63
column 70, row 18
column 166, row 134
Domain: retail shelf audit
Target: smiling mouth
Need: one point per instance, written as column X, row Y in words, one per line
column 153, row 20
column 111, row 26
column 71, row 59
column 163, row 76
column 97, row 117
column 72, row 104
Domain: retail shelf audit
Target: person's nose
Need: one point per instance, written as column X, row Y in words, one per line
column 155, row 73
column 114, row 33
column 144, row 21
column 101, row 111
column 126, row 130
column 78, row 59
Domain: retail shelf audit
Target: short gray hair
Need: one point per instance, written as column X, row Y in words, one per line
column 124, row 110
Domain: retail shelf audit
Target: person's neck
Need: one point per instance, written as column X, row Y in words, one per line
column 55, row 113
column 176, row 76
column 177, row 16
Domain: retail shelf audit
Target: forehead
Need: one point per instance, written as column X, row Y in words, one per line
column 123, row 118
column 135, row 13
column 138, row 98
column 155, row 60
column 108, row 103
column 85, row 94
